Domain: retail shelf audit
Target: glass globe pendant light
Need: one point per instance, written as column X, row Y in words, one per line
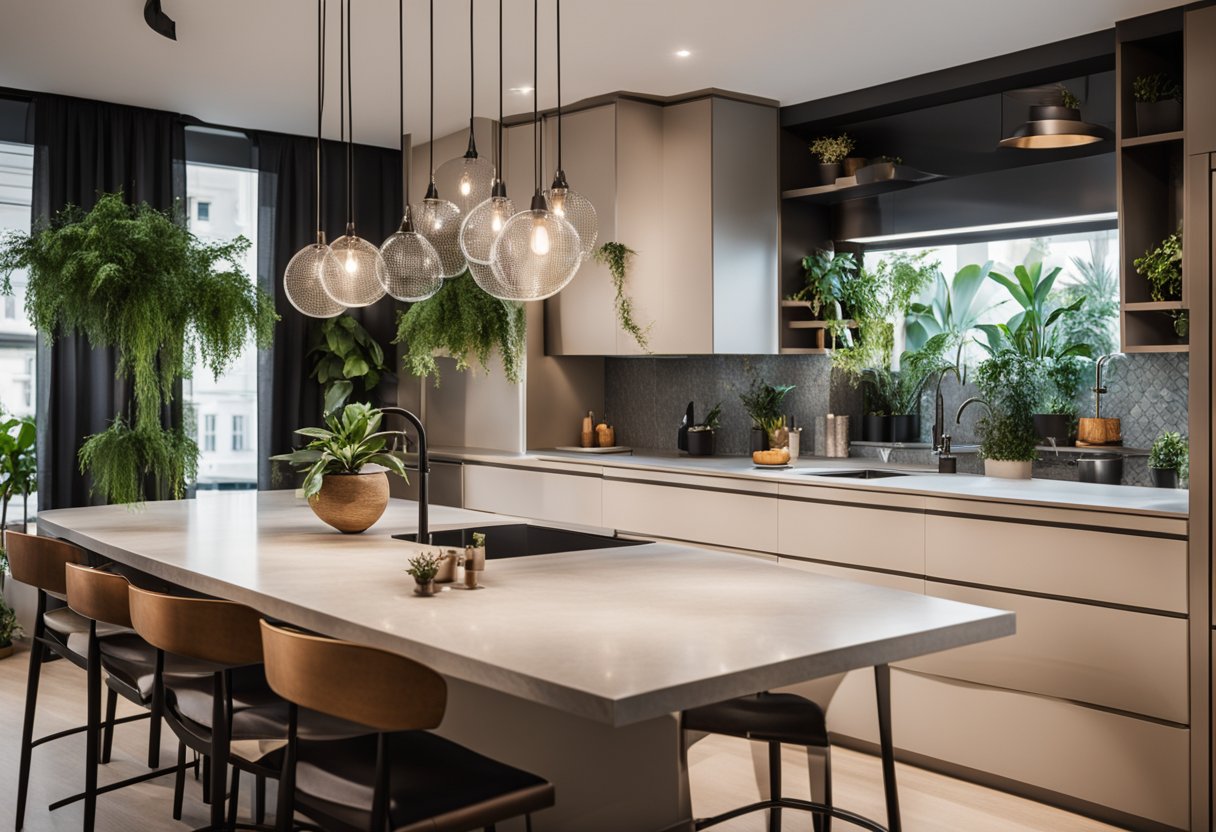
column 538, row 252
column 412, row 271
column 438, row 219
column 469, row 178
column 303, row 279
column 360, row 280
column 562, row 200
column 485, row 222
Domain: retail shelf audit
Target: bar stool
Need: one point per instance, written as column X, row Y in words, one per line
column 400, row 776
column 776, row 719
column 40, row 562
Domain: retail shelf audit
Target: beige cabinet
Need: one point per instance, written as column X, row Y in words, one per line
column 571, row 498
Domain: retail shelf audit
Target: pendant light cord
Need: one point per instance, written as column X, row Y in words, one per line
column 559, row 84
column 350, row 127
column 320, row 97
column 432, row 59
column 535, row 90
column 498, row 150
column 471, row 76
column 405, row 195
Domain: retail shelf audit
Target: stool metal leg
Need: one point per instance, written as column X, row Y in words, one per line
column 234, row 797
column 93, row 734
column 37, row 653
column 819, row 765
column 882, row 685
column 774, row 785
column 107, row 735
column 179, row 781
column 259, row 800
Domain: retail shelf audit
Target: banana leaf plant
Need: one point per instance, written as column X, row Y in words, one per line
column 953, row 311
column 1030, row 332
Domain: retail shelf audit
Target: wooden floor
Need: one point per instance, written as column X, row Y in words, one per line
column 721, row 771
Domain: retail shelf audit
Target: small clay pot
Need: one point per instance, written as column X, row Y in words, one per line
column 424, row 588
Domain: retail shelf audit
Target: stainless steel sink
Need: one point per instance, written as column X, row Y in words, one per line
column 517, row 540
column 860, row 474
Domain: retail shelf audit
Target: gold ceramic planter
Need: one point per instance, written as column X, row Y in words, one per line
column 351, row 503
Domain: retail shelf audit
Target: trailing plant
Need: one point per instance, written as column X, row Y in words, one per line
column 1162, row 268
column 1154, row 87
column 345, row 353
column 1170, row 452
column 351, row 439
column 832, row 150
column 826, row 273
column 1031, row 331
column 134, row 278
column 1010, row 385
column 762, row 402
column 18, row 467
column 9, row 628
column 616, row 257
column 467, row 323
column 953, row 310
column 424, row 567
column 1068, row 99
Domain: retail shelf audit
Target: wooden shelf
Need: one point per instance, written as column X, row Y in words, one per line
column 1156, row 138
column 1153, row 306
column 819, row 324
column 804, row 351
column 1157, row 348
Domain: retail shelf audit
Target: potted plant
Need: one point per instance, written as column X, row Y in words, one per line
column 878, row 169
column 1162, row 268
column 424, row 567
column 702, row 436
column 831, row 152
column 345, row 353
column 9, row 629
column 1168, row 460
column 135, row 279
column 954, row 309
column 762, row 401
column 18, row 467
column 1158, row 104
column 826, row 273
column 337, row 488
column 916, row 367
column 1010, row 386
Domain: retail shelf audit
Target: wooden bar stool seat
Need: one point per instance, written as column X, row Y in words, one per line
column 399, row 776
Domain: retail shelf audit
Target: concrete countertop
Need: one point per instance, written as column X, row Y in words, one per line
column 1123, row 499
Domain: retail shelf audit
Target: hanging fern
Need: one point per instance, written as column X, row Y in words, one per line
column 136, row 279
column 467, row 323
column 616, row 257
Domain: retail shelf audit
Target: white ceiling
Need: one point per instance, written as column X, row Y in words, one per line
column 252, row 63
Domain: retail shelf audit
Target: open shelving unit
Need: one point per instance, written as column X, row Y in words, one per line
column 1150, row 174
column 802, row 334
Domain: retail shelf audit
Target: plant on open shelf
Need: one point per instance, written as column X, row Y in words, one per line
column 136, row 279
column 465, row 322
column 1168, row 460
column 826, row 273
column 1157, row 86
column 616, row 256
column 762, row 402
column 832, row 150
column 1162, row 268
column 345, row 353
column 339, row 491
column 1158, row 103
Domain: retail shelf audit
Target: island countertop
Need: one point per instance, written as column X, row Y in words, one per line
column 616, row 636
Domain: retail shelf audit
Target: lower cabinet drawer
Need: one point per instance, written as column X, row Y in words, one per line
column 1132, row 765
column 541, row 495
column 721, row 518
column 864, row 576
column 884, row 538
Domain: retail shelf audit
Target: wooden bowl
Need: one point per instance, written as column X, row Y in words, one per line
column 351, row 503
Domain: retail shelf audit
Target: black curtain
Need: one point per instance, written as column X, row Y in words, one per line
column 287, row 397
column 82, row 149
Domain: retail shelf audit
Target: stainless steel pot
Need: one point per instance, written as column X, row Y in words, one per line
column 1106, row 469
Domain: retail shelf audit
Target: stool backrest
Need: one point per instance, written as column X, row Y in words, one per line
column 99, row 595
column 362, row 684
column 40, row 561
column 222, row 632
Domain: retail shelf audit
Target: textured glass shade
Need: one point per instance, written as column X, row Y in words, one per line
column 412, row 270
column 360, row 278
column 439, row 221
column 579, row 211
column 303, row 281
column 466, row 181
column 536, row 255
column 483, row 276
column 482, row 226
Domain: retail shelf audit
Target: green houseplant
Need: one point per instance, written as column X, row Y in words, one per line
column 831, row 151
column 826, row 273
column 1158, row 103
column 762, row 402
column 345, row 353
column 9, row 629
column 953, row 308
column 1010, row 386
column 18, row 467
column 464, row 321
column 616, row 257
column 1096, row 285
column 339, row 491
column 136, row 279
column 424, row 567
column 1168, row 460
column 1162, row 268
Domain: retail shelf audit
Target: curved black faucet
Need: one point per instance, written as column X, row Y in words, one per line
column 939, row 407
column 424, row 470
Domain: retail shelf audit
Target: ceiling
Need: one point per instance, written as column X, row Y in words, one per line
column 252, row 63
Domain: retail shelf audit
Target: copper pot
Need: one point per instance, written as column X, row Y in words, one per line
column 351, row 503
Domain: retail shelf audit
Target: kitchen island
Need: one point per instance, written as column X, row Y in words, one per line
column 572, row 665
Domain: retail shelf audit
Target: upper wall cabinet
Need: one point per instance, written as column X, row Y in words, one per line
column 692, row 187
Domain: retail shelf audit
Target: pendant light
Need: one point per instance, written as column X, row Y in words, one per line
column 303, row 277
column 1055, row 123
column 538, row 252
column 484, row 223
column 412, row 270
column 361, row 280
column 438, row 219
column 562, row 200
column 468, row 179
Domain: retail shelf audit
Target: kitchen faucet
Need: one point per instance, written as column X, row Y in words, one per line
column 424, row 470
column 1099, row 389
column 940, row 437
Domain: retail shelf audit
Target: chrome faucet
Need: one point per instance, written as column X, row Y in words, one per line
column 941, row 439
column 1099, row 389
column 424, row 470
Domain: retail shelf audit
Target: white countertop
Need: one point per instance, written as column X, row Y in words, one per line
column 1124, row 499
column 617, row 636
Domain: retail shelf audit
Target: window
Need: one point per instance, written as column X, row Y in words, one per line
column 10, row 308
column 203, row 212
column 238, row 432
column 209, row 432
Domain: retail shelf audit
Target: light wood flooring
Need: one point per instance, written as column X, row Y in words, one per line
column 721, row 772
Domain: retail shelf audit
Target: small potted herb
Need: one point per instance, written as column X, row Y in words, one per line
column 1168, row 460
column 424, row 567
column 1162, row 268
column 702, row 436
column 831, row 152
column 1158, row 104
column 762, row 401
column 9, row 629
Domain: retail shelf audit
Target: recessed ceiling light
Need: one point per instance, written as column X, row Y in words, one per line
column 682, row 53
column 522, row 90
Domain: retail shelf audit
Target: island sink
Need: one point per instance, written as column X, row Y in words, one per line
column 862, row 474
column 517, row 540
